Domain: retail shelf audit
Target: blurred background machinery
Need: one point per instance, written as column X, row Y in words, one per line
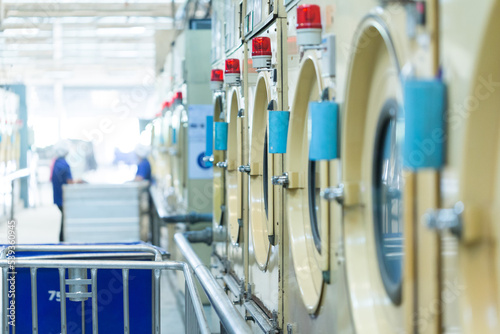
column 323, row 166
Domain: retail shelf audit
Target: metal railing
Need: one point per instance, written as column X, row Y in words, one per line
column 78, row 283
column 11, row 178
column 229, row 316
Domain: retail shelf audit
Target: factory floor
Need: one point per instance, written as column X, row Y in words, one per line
column 40, row 225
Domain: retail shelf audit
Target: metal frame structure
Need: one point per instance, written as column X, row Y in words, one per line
column 195, row 318
column 11, row 178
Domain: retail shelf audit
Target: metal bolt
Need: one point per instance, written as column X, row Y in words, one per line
column 208, row 158
column 244, row 169
column 334, row 194
column 281, row 180
column 446, row 219
column 221, row 164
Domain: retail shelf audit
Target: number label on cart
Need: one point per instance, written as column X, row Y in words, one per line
column 53, row 294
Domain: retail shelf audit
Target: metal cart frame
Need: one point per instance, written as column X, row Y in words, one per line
column 195, row 320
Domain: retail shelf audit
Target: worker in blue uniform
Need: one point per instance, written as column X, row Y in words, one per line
column 144, row 174
column 61, row 175
column 144, row 167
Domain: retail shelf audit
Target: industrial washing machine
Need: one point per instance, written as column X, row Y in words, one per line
column 315, row 296
column 390, row 60
column 263, row 94
column 228, row 55
column 463, row 225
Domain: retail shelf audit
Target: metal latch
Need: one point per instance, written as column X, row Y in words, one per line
column 446, row 219
column 244, row 169
column 208, row 158
column 221, row 164
column 334, row 194
column 281, row 180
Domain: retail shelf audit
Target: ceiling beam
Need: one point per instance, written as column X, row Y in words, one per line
column 164, row 24
column 95, row 9
column 97, row 40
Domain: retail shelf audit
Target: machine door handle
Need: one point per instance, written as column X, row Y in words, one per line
column 208, row 158
column 334, row 194
column 281, row 180
column 221, row 164
column 244, row 169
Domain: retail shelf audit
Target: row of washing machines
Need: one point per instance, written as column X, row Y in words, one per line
column 355, row 164
column 9, row 132
column 10, row 140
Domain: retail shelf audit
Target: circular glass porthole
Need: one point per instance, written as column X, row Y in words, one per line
column 314, row 202
column 387, row 200
column 265, row 175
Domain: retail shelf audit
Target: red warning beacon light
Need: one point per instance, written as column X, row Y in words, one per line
column 232, row 71
column 261, row 52
column 216, row 79
column 308, row 25
column 178, row 96
column 177, row 99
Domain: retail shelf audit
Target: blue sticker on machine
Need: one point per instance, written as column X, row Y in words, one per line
column 425, row 105
column 203, row 164
column 324, row 130
column 200, row 139
column 209, row 136
column 221, row 129
column 278, row 131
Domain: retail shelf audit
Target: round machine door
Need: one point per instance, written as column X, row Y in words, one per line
column 307, row 215
column 167, row 178
column 179, row 142
column 219, row 174
column 182, row 154
column 261, row 168
column 477, row 286
column 233, row 177
column 372, row 138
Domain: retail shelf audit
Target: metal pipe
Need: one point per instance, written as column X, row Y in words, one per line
column 83, row 316
column 5, row 298
column 106, row 264
column 62, row 292
column 96, row 256
column 157, row 276
column 195, row 300
column 18, row 174
column 34, row 302
column 158, row 253
column 12, row 177
column 161, row 212
column 95, row 324
column 229, row 316
column 205, row 236
column 126, row 315
column 191, row 218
